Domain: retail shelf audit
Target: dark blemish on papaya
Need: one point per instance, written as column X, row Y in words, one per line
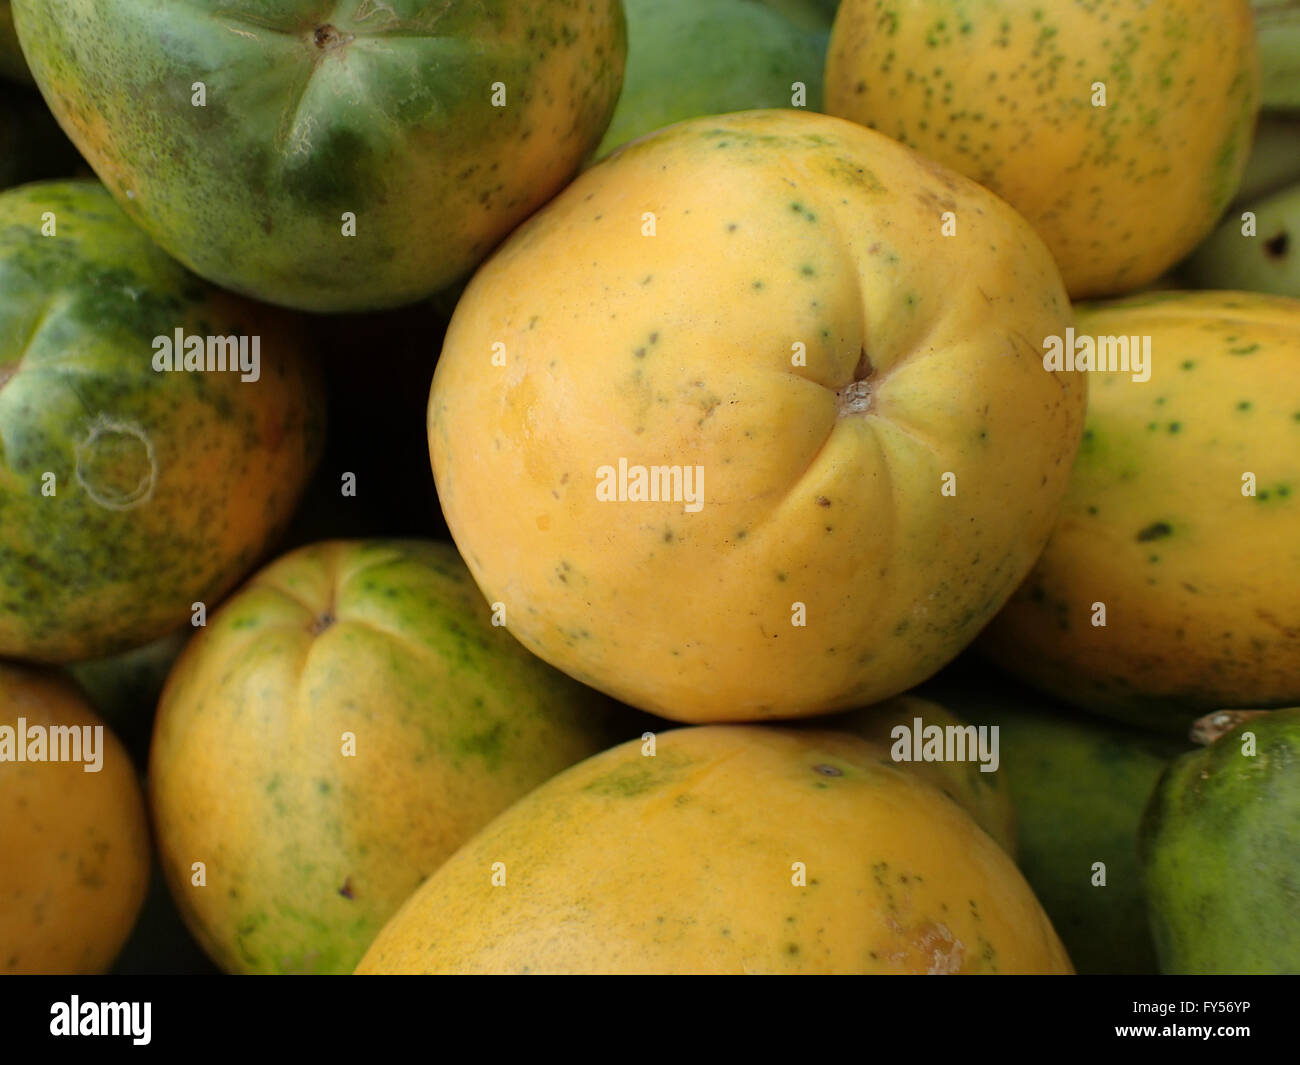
column 1277, row 246
column 757, row 285
column 647, row 279
column 807, row 271
column 1153, row 559
column 346, row 889
column 1188, row 364
column 1153, row 426
column 1155, row 531
column 668, row 536
column 639, row 353
column 828, row 770
column 1092, row 510
column 327, row 37
column 1244, row 405
column 781, row 576
column 322, row 622
column 1160, row 401
column 654, row 338
column 822, row 501
column 792, row 948
column 1247, row 350
column 1175, row 426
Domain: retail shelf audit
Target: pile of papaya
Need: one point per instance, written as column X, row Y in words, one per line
column 650, row 486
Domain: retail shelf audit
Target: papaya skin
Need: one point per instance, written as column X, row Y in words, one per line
column 309, row 849
column 1079, row 785
column 706, row 57
column 1003, row 91
column 780, row 236
column 1200, row 582
column 684, row 863
column 317, row 114
column 1218, row 845
column 74, row 846
column 129, row 494
column 982, row 795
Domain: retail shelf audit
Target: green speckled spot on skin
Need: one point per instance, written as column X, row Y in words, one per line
column 487, row 744
column 1155, row 531
column 629, row 781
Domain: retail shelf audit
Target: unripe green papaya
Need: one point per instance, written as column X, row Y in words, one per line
column 1078, row 785
column 1220, row 851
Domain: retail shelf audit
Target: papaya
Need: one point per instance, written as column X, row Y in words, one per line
column 1257, row 249
column 726, row 849
column 1220, row 863
column 135, row 487
column 702, row 57
column 74, row 839
column 982, row 794
column 339, row 727
column 1119, row 130
column 1078, row 785
column 1170, row 586
column 805, row 14
column 337, row 157
column 785, row 449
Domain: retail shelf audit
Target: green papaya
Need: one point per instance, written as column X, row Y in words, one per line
column 1078, row 786
column 688, row 58
column 1220, row 852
